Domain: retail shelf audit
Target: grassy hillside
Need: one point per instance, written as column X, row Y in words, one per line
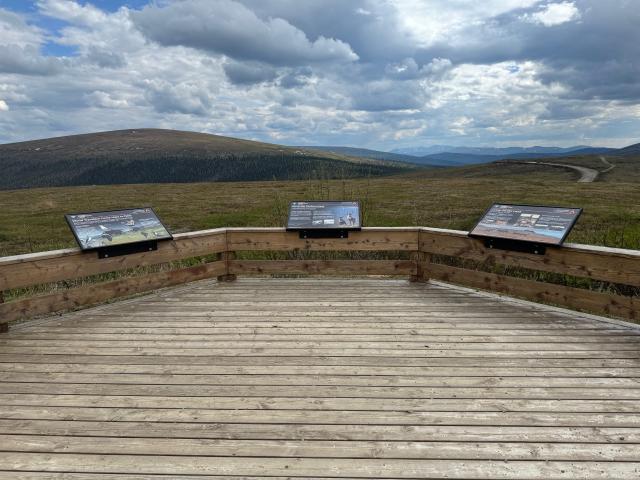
column 32, row 220
column 161, row 156
column 612, row 169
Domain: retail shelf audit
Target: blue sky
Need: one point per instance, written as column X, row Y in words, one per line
column 369, row 73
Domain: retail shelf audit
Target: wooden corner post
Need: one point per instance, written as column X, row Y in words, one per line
column 4, row 326
column 227, row 257
column 421, row 259
column 415, row 258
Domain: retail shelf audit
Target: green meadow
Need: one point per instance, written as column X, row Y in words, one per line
column 32, row 220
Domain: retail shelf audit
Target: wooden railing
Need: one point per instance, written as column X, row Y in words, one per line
column 425, row 254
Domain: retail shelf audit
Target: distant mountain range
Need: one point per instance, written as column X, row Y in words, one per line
column 435, row 149
column 449, row 156
column 171, row 156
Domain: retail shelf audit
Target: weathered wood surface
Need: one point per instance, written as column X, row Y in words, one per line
column 316, row 378
column 570, row 297
column 37, row 268
column 598, row 263
column 326, row 267
column 369, row 239
column 102, row 292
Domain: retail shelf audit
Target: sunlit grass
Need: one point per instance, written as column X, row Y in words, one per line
column 33, row 220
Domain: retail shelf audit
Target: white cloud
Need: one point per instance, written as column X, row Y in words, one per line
column 230, row 28
column 554, row 14
column 432, row 21
column 329, row 72
column 72, row 12
column 105, row 100
column 20, row 45
column 14, row 30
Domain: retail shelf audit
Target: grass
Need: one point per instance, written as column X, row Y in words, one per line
column 33, row 220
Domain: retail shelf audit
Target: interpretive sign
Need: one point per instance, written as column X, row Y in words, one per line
column 324, row 215
column 98, row 230
column 328, row 219
column 527, row 223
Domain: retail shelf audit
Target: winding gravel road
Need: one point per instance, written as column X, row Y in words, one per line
column 587, row 175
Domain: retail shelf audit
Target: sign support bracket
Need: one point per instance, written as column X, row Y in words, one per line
column 324, row 233
column 515, row 245
column 127, row 249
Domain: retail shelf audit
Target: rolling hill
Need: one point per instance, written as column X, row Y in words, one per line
column 169, row 156
column 458, row 159
column 630, row 150
column 459, row 156
column 496, row 151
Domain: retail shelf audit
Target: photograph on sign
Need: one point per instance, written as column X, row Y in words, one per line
column 530, row 223
column 118, row 227
column 324, row 215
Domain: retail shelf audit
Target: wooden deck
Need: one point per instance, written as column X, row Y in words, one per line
column 320, row 378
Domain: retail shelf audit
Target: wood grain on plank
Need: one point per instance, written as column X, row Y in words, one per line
column 248, row 380
column 598, row 263
column 325, row 267
column 101, row 292
column 36, row 268
column 369, row 239
column 570, row 297
column 301, row 467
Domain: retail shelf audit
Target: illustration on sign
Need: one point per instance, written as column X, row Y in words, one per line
column 324, row 215
column 117, row 227
column 540, row 224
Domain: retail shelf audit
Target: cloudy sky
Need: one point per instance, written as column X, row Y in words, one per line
column 370, row 73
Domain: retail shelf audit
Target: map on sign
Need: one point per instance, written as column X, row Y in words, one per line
column 117, row 227
column 530, row 223
column 324, row 215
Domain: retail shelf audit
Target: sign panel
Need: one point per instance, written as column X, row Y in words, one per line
column 324, row 215
column 117, row 227
column 530, row 223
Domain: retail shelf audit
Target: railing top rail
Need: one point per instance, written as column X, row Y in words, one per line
column 68, row 252
column 283, row 229
column 597, row 249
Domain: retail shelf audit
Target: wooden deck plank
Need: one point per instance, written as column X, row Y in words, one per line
column 320, row 448
column 334, row 370
column 478, row 354
column 405, row 338
column 330, row 391
column 238, row 431
column 348, row 345
column 312, row 417
column 325, row 380
column 323, row 404
column 452, row 361
column 373, row 379
column 334, row 467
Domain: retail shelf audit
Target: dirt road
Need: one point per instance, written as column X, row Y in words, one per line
column 587, row 175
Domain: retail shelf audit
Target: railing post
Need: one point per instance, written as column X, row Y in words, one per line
column 416, row 257
column 226, row 257
column 421, row 259
column 4, row 326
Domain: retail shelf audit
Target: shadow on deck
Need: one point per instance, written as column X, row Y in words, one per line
column 358, row 378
